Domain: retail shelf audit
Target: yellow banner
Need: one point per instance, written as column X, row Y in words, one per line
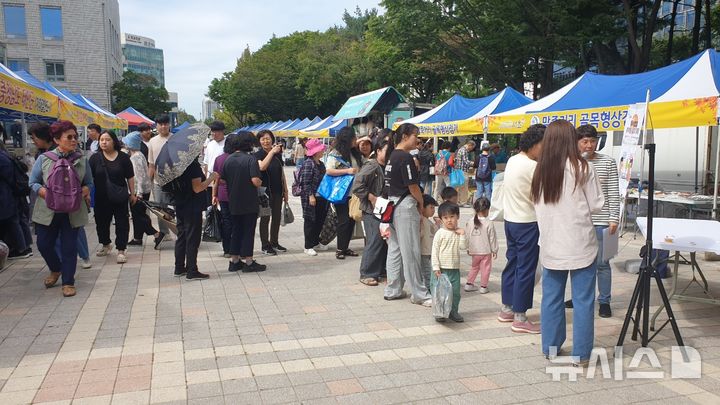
column 18, row 96
column 671, row 114
column 82, row 117
column 322, row 133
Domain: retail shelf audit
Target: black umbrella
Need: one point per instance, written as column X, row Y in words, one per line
column 179, row 151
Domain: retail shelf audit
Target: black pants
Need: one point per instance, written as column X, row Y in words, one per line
column 11, row 232
column 243, row 235
column 276, row 203
column 226, row 228
column 189, row 228
column 312, row 228
column 104, row 213
column 372, row 264
column 345, row 226
column 142, row 224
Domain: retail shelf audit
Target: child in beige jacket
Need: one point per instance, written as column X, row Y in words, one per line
column 482, row 246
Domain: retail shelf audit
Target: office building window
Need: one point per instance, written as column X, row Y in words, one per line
column 18, row 64
column 55, row 71
column 14, row 17
column 51, row 20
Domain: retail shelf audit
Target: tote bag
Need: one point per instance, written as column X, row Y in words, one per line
column 457, row 178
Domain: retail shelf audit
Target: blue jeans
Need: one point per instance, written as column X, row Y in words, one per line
column 552, row 308
column 483, row 187
column 518, row 278
column 604, row 273
column 82, row 245
column 59, row 229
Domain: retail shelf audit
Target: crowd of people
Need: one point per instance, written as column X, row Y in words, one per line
column 559, row 197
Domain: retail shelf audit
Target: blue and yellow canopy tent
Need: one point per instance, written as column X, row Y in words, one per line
column 684, row 94
column 459, row 116
column 294, row 130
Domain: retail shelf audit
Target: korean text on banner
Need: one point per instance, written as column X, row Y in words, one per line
column 17, row 96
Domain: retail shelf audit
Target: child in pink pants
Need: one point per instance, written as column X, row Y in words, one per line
column 482, row 245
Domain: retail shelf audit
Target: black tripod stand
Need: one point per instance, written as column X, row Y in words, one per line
column 640, row 301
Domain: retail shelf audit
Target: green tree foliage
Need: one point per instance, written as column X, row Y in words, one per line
column 431, row 49
column 184, row 116
column 141, row 92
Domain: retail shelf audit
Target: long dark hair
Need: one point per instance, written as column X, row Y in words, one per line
column 559, row 146
column 343, row 145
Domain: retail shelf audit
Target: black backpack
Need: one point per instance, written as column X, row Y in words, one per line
column 20, row 181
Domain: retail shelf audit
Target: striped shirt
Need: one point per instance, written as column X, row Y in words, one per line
column 606, row 171
column 446, row 249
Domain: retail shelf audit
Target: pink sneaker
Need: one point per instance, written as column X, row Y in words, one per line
column 525, row 327
column 506, row 316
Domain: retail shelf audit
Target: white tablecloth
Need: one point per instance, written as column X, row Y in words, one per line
column 688, row 235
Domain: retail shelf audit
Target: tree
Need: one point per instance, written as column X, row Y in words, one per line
column 141, row 92
column 183, row 116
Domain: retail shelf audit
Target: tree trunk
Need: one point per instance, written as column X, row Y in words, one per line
column 696, row 28
column 650, row 22
column 673, row 15
column 708, row 24
column 634, row 54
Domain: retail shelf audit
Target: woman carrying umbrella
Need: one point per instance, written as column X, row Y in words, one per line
column 180, row 174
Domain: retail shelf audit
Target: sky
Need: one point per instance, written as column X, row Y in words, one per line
column 203, row 39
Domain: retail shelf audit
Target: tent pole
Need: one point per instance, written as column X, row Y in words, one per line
column 717, row 168
column 642, row 150
column 697, row 154
column 23, row 144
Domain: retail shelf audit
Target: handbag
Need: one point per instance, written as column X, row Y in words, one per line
column 354, row 208
column 212, row 230
column 264, row 203
column 287, row 216
column 329, row 229
column 336, row 189
column 496, row 201
column 117, row 194
column 457, row 178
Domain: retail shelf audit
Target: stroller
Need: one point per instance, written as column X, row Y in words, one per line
column 164, row 214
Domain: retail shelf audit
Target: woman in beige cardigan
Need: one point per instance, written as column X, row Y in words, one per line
column 566, row 192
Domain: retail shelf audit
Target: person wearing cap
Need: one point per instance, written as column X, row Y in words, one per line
column 609, row 217
column 142, row 225
column 314, row 207
column 365, row 146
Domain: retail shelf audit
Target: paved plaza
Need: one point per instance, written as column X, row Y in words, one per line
column 305, row 331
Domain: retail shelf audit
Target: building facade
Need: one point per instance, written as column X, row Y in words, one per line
column 74, row 45
column 141, row 56
column 208, row 109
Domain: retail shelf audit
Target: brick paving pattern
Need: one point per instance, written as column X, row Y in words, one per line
column 305, row 331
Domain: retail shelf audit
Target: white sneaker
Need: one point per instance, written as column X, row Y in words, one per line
column 104, row 250
column 484, row 290
column 425, row 303
column 321, row 247
column 310, row 252
column 85, row 263
column 121, row 258
column 470, row 287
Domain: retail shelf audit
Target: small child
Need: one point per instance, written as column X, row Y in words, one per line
column 427, row 232
column 482, row 245
column 449, row 194
column 447, row 243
